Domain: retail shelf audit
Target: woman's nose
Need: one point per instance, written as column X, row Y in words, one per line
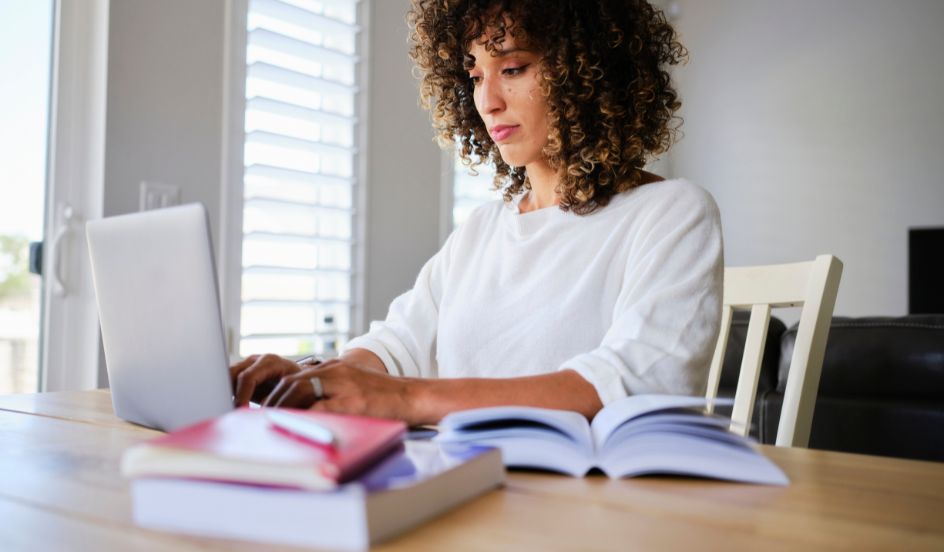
column 490, row 99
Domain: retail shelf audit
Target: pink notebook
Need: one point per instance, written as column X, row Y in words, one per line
column 243, row 446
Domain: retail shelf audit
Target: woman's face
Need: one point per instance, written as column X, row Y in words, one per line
column 510, row 102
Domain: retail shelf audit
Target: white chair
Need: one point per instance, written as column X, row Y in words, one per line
column 812, row 285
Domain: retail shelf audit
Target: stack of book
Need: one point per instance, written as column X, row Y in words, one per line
column 328, row 480
column 301, row 478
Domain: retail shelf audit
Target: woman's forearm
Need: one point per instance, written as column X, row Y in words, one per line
column 431, row 399
column 364, row 359
column 427, row 400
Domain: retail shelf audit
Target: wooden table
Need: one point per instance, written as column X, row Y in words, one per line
column 60, row 490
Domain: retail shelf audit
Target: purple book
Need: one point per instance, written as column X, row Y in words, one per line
column 417, row 482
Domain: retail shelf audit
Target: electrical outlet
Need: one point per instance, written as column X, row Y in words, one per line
column 155, row 195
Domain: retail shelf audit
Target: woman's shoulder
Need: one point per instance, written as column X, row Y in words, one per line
column 666, row 194
column 669, row 189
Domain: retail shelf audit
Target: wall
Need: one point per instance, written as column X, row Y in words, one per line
column 403, row 172
column 165, row 85
column 818, row 126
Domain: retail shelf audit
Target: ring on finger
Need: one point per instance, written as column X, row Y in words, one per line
column 310, row 360
column 317, row 387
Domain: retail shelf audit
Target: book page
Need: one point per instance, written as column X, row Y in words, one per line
column 690, row 454
column 666, row 422
column 509, row 420
column 621, row 411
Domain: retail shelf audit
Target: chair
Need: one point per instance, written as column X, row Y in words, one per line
column 811, row 285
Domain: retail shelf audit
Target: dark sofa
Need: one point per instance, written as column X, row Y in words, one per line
column 881, row 390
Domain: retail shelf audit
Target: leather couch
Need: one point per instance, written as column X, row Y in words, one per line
column 881, row 390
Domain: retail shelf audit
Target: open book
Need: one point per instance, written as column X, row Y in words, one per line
column 638, row 435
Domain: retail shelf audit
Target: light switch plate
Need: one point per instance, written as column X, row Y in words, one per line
column 156, row 195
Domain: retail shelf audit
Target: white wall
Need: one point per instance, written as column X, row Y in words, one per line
column 165, row 90
column 403, row 173
column 818, row 126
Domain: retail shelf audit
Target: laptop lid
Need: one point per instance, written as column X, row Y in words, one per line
column 158, row 304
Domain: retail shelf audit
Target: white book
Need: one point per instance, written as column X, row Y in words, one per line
column 420, row 481
column 638, row 435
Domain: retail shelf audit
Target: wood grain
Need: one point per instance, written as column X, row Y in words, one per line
column 59, row 485
column 85, row 406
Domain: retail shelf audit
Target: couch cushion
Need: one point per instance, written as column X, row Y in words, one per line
column 879, row 357
column 887, row 427
column 731, row 366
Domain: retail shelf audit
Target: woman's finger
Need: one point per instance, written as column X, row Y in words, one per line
column 235, row 369
column 326, row 405
column 298, row 394
column 250, row 379
column 298, row 390
column 280, row 389
column 326, row 377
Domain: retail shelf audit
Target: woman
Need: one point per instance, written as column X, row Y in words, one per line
column 591, row 280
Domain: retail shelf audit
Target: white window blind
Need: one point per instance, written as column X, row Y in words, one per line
column 300, row 175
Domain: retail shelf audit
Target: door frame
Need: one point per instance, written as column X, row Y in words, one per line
column 70, row 343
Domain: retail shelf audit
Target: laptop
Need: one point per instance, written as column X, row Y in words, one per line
column 158, row 304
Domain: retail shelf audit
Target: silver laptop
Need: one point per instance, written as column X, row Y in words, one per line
column 159, row 308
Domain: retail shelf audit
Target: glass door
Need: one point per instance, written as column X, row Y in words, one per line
column 25, row 68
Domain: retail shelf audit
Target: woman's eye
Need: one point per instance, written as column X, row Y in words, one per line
column 512, row 71
column 508, row 72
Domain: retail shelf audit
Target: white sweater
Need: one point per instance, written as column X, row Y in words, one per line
column 629, row 296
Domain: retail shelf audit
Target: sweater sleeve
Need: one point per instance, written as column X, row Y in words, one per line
column 667, row 316
column 406, row 340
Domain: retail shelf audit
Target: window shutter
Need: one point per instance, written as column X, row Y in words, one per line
column 300, row 175
column 469, row 191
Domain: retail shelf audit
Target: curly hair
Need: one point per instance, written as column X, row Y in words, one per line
column 604, row 70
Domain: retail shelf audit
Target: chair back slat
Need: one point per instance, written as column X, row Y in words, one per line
column 717, row 360
column 750, row 369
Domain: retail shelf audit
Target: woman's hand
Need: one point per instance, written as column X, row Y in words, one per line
column 256, row 376
column 347, row 388
column 357, row 383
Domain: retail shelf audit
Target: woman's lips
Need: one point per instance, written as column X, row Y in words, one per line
column 502, row 132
